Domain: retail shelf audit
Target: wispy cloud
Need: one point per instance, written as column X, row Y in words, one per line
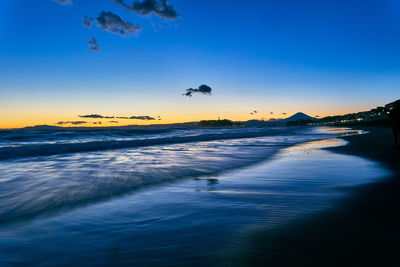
column 96, row 116
column 71, row 122
column 144, row 118
column 87, row 22
column 64, row 2
column 111, row 22
column 93, row 44
column 203, row 89
column 147, row 7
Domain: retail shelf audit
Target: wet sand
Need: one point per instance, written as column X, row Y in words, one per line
column 363, row 229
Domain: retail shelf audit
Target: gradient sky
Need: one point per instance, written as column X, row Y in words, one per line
column 319, row 57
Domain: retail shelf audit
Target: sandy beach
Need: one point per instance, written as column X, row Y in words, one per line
column 363, row 229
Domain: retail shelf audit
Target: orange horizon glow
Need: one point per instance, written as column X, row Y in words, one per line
column 17, row 122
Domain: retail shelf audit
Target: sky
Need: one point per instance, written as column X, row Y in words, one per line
column 62, row 59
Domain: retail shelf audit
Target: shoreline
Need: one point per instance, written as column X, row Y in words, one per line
column 289, row 213
column 187, row 222
column 361, row 230
column 377, row 145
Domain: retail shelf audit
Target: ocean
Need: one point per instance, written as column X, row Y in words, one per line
column 162, row 197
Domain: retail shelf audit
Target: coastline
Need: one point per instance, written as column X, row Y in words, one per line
column 197, row 221
column 362, row 230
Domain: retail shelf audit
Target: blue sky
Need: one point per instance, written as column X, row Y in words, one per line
column 320, row 57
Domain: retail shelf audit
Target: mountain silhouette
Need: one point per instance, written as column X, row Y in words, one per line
column 298, row 116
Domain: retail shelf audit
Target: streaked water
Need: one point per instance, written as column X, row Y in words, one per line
column 172, row 203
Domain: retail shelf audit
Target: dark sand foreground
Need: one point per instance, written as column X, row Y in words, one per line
column 364, row 229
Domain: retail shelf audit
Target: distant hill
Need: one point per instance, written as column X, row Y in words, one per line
column 43, row 128
column 255, row 123
column 375, row 117
column 127, row 127
column 218, row 123
column 299, row 116
column 222, row 123
column 295, row 117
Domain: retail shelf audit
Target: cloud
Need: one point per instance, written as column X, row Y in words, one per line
column 64, row 2
column 203, row 89
column 71, row 122
column 94, row 45
column 147, row 7
column 144, row 118
column 96, row 116
column 98, row 122
column 87, row 22
column 113, row 122
column 110, row 22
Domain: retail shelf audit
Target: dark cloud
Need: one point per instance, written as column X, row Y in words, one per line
column 71, row 122
column 96, row 116
column 255, row 111
column 144, row 118
column 87, row 22
column 98, row 122
column 93, row 44
column 147, row 7
column 284, row 113
column 64, row 2
column 203, row 89
column 110, row 22
column 113, row 122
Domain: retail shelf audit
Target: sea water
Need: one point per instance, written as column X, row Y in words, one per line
column 161, row 197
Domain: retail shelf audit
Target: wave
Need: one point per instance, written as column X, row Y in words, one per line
column 42, row 186
column 40, row 135
column 34, row 150
column 32, row 188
